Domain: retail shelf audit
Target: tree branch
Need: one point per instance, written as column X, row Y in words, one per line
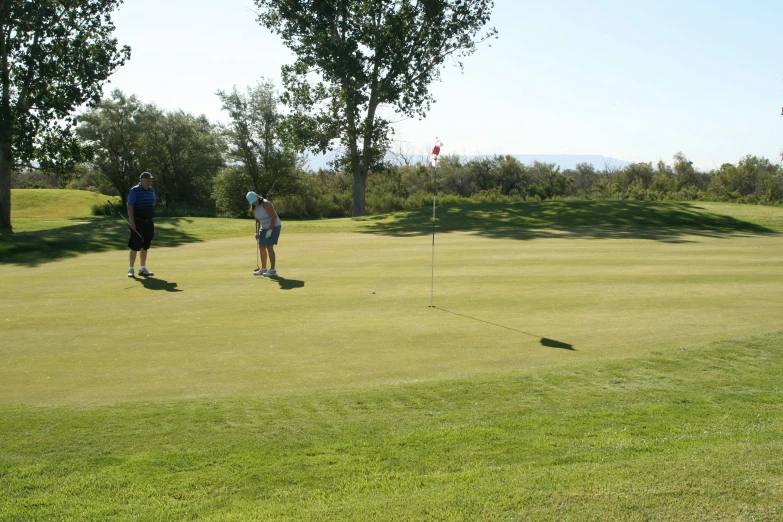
column 6, row 73
column 21, row 101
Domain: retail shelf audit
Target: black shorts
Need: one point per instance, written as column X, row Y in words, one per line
column 145, row 227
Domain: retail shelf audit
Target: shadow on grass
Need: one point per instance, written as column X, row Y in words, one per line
column 96, row 235
column 667, row 222
column 549, row 343
column 153, row 283
column 287, row 284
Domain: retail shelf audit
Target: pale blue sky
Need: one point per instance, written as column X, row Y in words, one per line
column 638, row 81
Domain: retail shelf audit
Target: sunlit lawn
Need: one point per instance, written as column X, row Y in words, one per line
column 566, row 371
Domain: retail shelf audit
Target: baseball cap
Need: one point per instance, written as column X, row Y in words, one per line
column 146, row 175
column 251, row 197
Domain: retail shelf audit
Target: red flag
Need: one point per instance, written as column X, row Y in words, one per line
column 435, row 153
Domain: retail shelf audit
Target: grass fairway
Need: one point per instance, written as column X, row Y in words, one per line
column 585, row 360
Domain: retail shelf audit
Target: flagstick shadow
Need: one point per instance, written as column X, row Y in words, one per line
column 550, row 343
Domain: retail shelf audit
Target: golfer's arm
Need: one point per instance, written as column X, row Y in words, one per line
column 258, row 227
column 272, row 214
column 130, row 216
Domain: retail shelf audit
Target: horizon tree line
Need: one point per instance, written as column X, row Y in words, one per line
column 203, row 165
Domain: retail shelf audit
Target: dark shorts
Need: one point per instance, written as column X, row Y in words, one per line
column 145, row 227
column 272, row 239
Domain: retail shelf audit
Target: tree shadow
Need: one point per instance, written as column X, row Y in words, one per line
column 287, row 284
column 86, row 236
column 550, row 343
column 154, row 283
column 667, row 222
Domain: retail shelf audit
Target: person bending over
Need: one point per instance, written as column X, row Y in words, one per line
column 268, row 228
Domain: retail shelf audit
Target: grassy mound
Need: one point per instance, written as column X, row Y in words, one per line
column 53, row 204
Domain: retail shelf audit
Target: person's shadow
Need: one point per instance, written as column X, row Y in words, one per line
column 287, row 284
column 153, row 283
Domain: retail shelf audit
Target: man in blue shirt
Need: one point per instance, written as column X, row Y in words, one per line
column 141, row 211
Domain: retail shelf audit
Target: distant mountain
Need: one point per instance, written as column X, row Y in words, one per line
column 569, row 161
column 565, row 161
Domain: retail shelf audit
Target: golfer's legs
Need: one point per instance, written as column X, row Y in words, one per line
column 262, row 248
column 272, row 256
column 143, row 257
column 133, row 258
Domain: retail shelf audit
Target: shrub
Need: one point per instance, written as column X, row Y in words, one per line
column 229, row 189
column 104, row 209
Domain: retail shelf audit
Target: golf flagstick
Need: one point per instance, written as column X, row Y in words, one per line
column 434, row 166
column 125, row 219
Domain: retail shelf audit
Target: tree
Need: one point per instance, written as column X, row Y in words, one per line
column 115, row 130
column 684, row 171
column 512, row 177
column 746, row 178
column 255, row 142
column 640, row 173
column 550, row 182
column 127, row 137
column 185, row 153
column 355, row 56
column 54, row 56
column 229, row 188
column 585, row 177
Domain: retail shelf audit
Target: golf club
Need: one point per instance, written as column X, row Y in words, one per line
column 256, row 243
column 124, row 218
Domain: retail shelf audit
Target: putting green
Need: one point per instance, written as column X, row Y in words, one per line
column 547, row 384
column 77, row 331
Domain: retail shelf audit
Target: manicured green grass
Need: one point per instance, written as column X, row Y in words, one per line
column 688, row 434
column 568, row 371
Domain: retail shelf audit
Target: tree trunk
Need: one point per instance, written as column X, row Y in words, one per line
column 359, row 172
column 363, row 163
column 359, row 182
column 5, row 187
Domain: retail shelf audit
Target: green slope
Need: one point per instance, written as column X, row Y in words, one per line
column 53, row 204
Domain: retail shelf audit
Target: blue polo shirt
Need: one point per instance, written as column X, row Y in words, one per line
column 143, row 201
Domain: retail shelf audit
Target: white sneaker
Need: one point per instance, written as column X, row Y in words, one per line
column 130, row 272
column 259, row 271
column 145, row 272
column 270, row 273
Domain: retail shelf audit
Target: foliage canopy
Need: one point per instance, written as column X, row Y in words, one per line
column 356, row 56
column 54, row 56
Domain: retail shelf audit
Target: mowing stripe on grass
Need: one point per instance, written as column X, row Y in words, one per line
column 692, row 433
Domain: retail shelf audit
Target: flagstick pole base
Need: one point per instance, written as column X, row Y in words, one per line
column 434, row 166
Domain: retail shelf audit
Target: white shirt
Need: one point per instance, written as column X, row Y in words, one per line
column 263, row 216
